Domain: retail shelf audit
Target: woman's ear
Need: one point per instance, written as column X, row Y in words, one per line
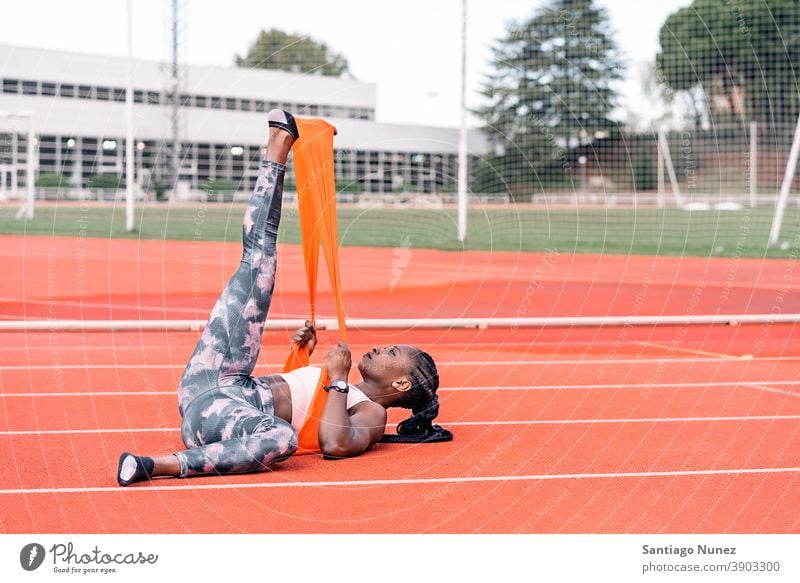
column 401, row 385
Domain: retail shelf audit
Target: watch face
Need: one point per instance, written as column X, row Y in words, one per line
column 341, row 385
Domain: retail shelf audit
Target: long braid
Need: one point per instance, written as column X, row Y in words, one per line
column 423, row 401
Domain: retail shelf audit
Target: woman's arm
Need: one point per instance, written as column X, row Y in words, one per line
column 342, row 434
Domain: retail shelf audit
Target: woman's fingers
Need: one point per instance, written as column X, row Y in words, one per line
column 301, row 338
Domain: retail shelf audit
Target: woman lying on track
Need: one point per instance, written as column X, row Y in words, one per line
column 236, row 423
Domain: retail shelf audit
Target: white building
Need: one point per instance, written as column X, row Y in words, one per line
column 78, row 106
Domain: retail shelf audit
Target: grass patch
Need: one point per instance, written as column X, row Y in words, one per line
column 618, row 231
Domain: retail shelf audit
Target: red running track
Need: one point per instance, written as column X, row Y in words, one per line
column 614, row 430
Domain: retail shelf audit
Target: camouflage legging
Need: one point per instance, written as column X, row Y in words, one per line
column 228, row 415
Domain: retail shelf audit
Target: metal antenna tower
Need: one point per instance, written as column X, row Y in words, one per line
column 175, row 84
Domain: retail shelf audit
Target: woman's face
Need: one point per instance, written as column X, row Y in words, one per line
column 388, row 364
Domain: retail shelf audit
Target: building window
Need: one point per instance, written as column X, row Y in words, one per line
column 216, row 103
column 230, row 103
column 119, row 94
column 10, row 86
column 30, row 88
column 66, row 90
column 49, row 89
column 260, row 106
column 153, row 97
column 85, row 91
column 247, row 105
column 200, row 101
column 89, row 146
column 186, row 100
column 138, row 96
column 47, row 147
column 103, row 93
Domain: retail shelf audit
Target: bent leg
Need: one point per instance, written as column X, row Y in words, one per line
column 229, row 346
column 250, row 453
column 224, row 435
column 230, row 436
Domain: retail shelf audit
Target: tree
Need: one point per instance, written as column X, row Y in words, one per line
column 734, row 59
column 550, row 91
column 275, row 49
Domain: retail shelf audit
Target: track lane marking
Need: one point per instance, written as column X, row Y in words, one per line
column 449, row 424
column 549, row 362
column 720, row 355
column 761, row 387
column 401, row 482
column 710, row 384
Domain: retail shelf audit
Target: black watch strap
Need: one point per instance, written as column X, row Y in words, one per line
column 338, row 386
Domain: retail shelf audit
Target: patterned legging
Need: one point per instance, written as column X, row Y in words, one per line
column 228, row 415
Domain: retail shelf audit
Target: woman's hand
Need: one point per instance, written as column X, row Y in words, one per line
column 338, row 362
column 307, row 335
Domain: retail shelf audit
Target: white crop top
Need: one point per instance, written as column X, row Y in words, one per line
column 302, row 384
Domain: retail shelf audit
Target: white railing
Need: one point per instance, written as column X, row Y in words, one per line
column 414, row 323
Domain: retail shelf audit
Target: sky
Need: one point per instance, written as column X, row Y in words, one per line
column 410, row 48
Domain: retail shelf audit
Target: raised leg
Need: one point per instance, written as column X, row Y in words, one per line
column 226, row 433
column 229, row 346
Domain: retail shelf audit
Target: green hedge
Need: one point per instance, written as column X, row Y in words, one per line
column 51, row 180
column 211, row 186
column 104, row 181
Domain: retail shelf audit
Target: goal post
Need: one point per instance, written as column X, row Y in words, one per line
column 463, row 175
column 26, row 210
column 665, row 160
column 783, row 196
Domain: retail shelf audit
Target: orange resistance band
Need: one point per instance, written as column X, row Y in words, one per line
column 316, row 199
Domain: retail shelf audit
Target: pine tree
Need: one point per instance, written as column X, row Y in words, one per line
column 550, row 91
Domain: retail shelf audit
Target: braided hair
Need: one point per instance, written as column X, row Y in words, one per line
column 423, row 401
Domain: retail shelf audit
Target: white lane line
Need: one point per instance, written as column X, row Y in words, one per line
column 448, row 424
column 686, row 350
column 189, row 345
column 549, row 362
column 91, row 431
column 761, row 387
column 107, row 306
column 625, row 386
column 89, row 394
column 401, row 482
column 748, row 384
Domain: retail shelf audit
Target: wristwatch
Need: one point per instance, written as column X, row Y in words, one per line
column 338, row 386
